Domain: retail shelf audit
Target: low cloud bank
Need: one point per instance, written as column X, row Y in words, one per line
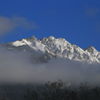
column 18, row 67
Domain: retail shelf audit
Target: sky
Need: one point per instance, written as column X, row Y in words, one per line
column 78, row 21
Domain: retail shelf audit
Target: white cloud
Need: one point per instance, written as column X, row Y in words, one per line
column 92, row 12
column 8, row 24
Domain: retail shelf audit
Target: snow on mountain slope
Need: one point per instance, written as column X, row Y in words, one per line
column 52, row 47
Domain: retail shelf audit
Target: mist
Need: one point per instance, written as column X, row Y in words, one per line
column 19, row 67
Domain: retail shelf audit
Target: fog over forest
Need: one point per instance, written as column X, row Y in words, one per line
column 19, row 67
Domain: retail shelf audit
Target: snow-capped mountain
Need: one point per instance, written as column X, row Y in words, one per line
column 52, row 47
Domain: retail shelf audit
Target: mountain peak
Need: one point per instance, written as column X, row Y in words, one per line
column 59, row 47
column 31, row 38
column 51, row 37
column 92, row 50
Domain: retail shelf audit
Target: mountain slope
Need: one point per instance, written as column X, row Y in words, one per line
column 51, row 47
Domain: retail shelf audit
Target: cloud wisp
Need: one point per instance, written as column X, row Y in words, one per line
column 8, row 24
column 92, row 12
